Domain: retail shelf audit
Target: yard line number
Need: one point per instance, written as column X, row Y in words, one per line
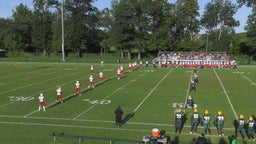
column 20, row 98
column 102, row 102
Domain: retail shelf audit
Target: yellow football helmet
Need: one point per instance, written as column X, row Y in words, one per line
column 206, row 112
column 219, row 112
column 195, row 110
column 189, row 97
column 241, row 116
column 250, row 118
column 179, row 110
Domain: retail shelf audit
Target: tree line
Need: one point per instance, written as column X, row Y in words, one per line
column 128, row 26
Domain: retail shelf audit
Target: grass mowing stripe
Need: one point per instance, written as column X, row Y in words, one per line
column 152, row 91
column 229, row 101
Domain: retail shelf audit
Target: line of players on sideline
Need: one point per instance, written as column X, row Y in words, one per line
column 194, row 63
column 120, row 70
column 242, row 126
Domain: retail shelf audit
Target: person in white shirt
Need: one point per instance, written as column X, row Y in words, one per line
column 41, row 102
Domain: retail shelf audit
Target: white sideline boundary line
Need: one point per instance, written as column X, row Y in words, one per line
column 224, row 90
column 152, row 91
column 93, row 127
column 102, row 121
column 120, row 88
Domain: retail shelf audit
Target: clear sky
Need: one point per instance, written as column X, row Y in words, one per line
column 6, row 7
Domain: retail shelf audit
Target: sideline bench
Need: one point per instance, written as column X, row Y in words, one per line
column 82, row 138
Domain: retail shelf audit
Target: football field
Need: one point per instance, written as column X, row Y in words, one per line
column 147, row 95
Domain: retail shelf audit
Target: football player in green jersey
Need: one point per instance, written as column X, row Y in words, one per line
column 219, row 122
column 178, row 120
column 195, row 119
column 250, row 130
column 206, row 119
column 240, row 126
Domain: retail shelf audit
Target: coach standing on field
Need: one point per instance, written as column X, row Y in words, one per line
column 118, row 112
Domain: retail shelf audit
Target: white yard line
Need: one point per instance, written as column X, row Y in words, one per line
column 93, row 127
column 229, row 101
column 120, row 88
column 27, row 78
column 253, row 83
column 152, row 91
column 72, row 81
column 32, row 84
column 185, row 103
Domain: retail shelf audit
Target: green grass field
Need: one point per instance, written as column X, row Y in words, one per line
column 148, row 92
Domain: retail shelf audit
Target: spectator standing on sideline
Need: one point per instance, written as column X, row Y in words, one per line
column 41, row 102
column 118, row 113
column 59, row 94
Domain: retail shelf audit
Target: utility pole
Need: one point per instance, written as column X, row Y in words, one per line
column 62, row 31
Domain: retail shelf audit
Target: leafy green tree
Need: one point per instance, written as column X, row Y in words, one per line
column 218, row 18
column 41, row 28
column 21, row 29
column 251, row 33
column 249, row 3
column 81, row 27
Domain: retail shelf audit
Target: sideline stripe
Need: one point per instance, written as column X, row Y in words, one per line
column 92, row 127
column 152, row 91
column 229, row 101
column 103, row 121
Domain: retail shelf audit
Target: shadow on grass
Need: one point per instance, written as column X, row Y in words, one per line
column 127, row 118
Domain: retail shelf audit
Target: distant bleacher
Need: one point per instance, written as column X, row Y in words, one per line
column 192, row 58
